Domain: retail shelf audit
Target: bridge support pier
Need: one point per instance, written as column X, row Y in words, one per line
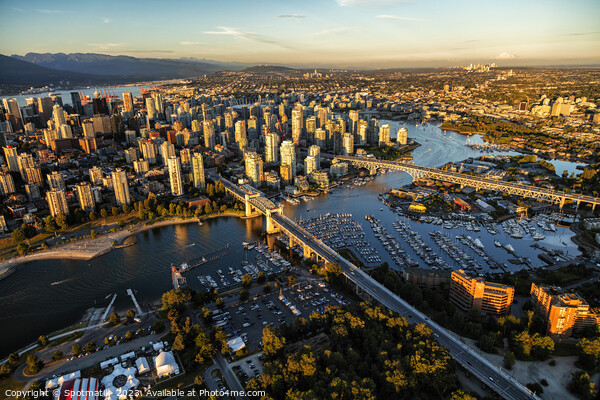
column 271, row 226
column 307, row 252
column 562, row 203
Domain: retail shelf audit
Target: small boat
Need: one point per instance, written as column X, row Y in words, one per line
column 509, row 248
column 497, row 243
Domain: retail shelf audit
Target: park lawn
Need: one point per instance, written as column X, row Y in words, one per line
column 8, row 247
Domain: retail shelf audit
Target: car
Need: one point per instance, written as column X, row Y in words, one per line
column 248, row 361
column 252, row 366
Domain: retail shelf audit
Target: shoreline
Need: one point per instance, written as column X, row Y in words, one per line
column 518, row 149
column 101, row 245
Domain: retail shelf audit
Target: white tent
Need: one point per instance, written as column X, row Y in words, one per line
column 158, row 346
column 165, row 364
column 69, row 377
column 51, row 383
column 126, row 356
column 236, row 343
column 119, row 393
column 142, row 365
column 107, row 363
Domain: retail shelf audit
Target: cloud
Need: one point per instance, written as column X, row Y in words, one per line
column 184, row 43
column 367, row 3
column 106, row 20
column 332, row 31
column 398, row 18
column 105, row 46
column 297, row 16
column 580, row 33
column 47, row 11
column 249, row 36
column 505, row 56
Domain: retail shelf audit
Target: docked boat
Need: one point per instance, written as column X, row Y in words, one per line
column 497, row 243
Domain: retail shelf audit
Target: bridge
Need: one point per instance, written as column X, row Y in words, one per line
column 468, row 357
column 478, row 182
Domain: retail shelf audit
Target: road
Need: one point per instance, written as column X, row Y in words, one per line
column 494, row 377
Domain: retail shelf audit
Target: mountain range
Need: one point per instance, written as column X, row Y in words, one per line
column 35, row 69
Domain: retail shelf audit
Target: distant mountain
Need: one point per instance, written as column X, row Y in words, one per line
column 269, row 69
column 121, row 66
column 18, row 72
column 227, row 65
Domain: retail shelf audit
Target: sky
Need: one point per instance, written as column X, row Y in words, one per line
column 320, row 33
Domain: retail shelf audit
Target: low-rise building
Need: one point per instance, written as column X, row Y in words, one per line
column 425, row 277
column 563, row 312
column 475, row 293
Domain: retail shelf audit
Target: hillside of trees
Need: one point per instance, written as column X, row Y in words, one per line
column 362, row 352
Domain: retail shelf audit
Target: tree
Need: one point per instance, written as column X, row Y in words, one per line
column 57, row 355
column 220, row 303
column 261, row 278
column 106, row 341
column 93, row 234
column 18, row 235
column 61, row 221
column 244, row 295
column 23, row 248
column 175, row 298
column 76, row 349
column 291, row 280
column 582, row 386
column 114, row 318
column 589, row 353
column 42, row 340
column 90, row 346
column 128, row 335
column 208, row 209
column 34, row 364
column 130, row 315
column 272, row 344
column 114, row 211
column 93, row 216
column 267, row 288
column 103, row 213
column 509, row 360
column 461, row 395
column 535, row 388
column 126, row 209
column 246, row 280
column 179, row 342
column 198, row 380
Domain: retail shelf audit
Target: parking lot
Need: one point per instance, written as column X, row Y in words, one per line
column 248, row 319
column 248, row 367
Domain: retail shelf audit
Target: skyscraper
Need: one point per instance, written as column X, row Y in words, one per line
column 198, row 171
column 76, row 103
column 128, row 102
column 254, row 168
column 209, row 134
column 10, row 155
column 311, row 127
column 33, row 175
column 57, row 201
column 167, row 150
column 353, row 114
column 175, row 176
column 271, row 147
column 297, row 124
column 150, row 108
column 240, row 131
column 7, row 184
column 402, row 135
column 12, row 106
column 384, row 135
column 348, row 144
column 315, row 151
column 120, row 186
column 95, row 176
column 362, row 132
column 310, row 165
column 86, row 197
column 58, row 115
column 56, row 180
column 288, row 155
column 45, row 105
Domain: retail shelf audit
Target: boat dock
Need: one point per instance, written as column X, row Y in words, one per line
column 137, row 306
column 108, row 308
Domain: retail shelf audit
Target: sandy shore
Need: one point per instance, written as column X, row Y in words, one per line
column 87, row 249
